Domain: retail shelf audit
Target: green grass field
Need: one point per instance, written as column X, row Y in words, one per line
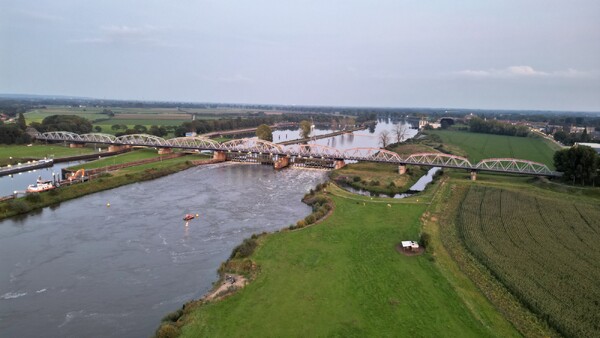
column 39, row 151
column 344, row 278
column 132, row 156
column 478, row 146
column 545, row 251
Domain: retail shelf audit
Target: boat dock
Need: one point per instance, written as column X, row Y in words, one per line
column 30, row 165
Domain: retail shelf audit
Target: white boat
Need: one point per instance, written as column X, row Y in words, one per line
column 40, row 186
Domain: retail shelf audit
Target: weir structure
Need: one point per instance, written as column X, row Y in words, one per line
column 303, row 155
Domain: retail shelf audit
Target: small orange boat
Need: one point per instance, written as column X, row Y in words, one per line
column 188, row 217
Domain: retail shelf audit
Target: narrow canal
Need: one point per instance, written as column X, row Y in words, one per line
column 83, row 269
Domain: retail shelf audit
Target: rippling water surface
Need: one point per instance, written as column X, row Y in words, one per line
column 83, row 269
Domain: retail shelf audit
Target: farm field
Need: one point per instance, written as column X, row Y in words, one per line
column 478, row 146
column 343, row 277
column 39, row 114
column 542, row 248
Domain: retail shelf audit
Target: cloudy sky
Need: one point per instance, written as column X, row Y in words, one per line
column 505, row 54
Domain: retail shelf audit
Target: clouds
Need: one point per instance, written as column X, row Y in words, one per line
column 524, row 72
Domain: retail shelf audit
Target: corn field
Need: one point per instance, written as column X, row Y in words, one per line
column 545, row 251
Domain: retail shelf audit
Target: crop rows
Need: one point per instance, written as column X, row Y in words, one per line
column 544, row 250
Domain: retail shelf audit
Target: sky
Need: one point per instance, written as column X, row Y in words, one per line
column 496, row 54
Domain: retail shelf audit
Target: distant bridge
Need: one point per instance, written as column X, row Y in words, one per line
column 305, row 151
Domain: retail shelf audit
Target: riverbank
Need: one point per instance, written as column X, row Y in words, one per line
column 377, row 178
column 344, row 277
column 106, row 181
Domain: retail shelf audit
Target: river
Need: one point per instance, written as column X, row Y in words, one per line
column 83, row 269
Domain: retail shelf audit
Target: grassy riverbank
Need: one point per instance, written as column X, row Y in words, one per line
column 377, row 177
column 344, row 277
column 132, row 156
column 112, row 180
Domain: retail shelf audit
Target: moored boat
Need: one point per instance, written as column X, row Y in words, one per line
column 41, row 185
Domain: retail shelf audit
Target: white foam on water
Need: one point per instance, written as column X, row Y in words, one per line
column 13, row 295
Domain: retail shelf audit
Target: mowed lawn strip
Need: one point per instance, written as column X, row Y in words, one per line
column 481, row 146
column 343, row 277
column 132, row 156
column 40, row 151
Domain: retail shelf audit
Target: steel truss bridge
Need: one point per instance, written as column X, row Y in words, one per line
column 314, row 151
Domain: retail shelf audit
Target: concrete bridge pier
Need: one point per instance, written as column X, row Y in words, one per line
column 76, row 145
column 339, row 164
column 219, row 156
column 163, row 151
column 473, row 175
column 281, row 162
column 402, row 169
column 113, row 147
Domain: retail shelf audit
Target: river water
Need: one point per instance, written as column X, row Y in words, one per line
column 83, row 269
column 20, row 181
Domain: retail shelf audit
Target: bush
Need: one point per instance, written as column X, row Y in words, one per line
column 19, row 206
column 245, row 249
column 173, row 316
column 300, row 224
column 167, row 330
column 310, row 219
column 374, row 183
column 33, row 198
column 425, row 239
column 356, row 179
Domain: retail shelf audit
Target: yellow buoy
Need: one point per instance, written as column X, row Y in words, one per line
column 197, row 215
column 107, row 205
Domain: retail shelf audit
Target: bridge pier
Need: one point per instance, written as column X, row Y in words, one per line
column 76, row 145
column 339, row 164
column 163, row 151
column 282, row 162
column 112, row 148
column 220, row 156
column 402, row 169
column 473, row 175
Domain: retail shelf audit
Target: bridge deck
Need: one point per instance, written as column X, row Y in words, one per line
column 502, row 165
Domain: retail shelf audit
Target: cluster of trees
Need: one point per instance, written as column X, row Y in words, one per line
column 71, row 123
column 14, row 133
column 140, row 129
column 397, row 135
column 264, row 132
column 570, row 139
column 207, row 126
column 478, row 125
column 579, row 164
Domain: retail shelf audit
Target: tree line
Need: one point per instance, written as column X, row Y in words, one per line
column 478, row 125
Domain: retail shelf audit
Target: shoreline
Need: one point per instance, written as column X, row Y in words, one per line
column 243, row 270
column 22, row 206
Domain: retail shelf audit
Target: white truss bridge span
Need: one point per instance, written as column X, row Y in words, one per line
column 255, row 146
